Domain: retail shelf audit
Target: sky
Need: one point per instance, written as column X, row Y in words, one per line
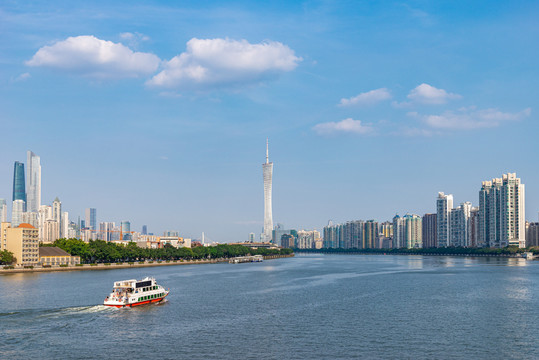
column 158, row 112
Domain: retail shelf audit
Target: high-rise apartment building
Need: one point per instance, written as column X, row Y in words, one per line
column 307, row 239
column 57, row 213
column 429, row 231
column 44, row 214
column 33, row 195
column 502, row 212
column 19, row 189
column 459, row 229
column 444, row 204
column 332, row 236
column 267, row 170
column 3, row 210
column 65, row 225
column 412, row 231
column 474, row 228
column 370, row 235
column 50, row 232
column 532, row 234
column 398, row 232
column 91, row 218
column 31, row 218
column 106, row 231
column 16, row 212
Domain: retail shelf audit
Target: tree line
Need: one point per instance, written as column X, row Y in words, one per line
column 509, row 250
column 99, row 251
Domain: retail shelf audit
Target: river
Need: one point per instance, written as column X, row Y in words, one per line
column 308, row 307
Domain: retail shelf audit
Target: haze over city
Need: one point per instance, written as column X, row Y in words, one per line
column 138, row 110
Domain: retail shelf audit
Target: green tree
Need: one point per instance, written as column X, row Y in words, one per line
column 7, row 257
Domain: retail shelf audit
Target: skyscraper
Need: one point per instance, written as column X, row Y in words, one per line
column 33, row 167
column 459, row 232
column 57, row 214
column 144, row 230
column 429, row 231
column 412, row 237
column 91, row 222
column 444, row 204
column 19, row 189
column 3, row 210
column 267, row 169
column 501, row 212
column 126, row 229
column 16, row 212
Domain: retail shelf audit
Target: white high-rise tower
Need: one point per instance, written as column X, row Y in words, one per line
column 267, row 169
column 33, row 196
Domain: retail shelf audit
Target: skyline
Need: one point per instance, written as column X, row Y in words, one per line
column 373, row 110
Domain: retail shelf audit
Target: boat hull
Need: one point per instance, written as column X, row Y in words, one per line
column 145, row 302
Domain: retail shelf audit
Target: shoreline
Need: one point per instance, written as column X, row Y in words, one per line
column 506, row 256
column 113, row 266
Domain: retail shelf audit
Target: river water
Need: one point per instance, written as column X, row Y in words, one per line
column 308, row 307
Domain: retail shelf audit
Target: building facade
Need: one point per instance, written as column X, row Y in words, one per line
column 33, row 195
column 3, row 210
column 459, row 230
column 23, row 242
column 429, row 231
column 532, row 234
column 51, row 231
column 444, row 204
column 502, row 212
column 57, row 213
column 16, row 212
column 91, row 218
column 307, row 239
column 19, row 188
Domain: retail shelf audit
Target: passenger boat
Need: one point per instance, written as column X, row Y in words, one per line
column 129, row 293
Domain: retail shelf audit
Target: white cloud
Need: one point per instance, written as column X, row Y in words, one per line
column 469, row 118
column 23, row 77
column 367, row 98
column 427, row 94
column 133, row 39
column 93, row 57
column 348, row 125
column 225, row 62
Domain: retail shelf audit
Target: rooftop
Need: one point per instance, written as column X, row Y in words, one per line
column 52, row 251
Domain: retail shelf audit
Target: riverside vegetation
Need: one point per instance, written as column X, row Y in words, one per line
column 99, row 251
column 509, row 250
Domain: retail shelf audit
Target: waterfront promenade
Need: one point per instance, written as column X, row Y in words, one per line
column 124, row 265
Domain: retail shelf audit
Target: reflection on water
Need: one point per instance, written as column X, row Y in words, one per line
column 311, row 306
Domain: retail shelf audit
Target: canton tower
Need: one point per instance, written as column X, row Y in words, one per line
column 267, row 169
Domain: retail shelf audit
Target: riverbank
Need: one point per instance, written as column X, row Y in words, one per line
column 137, row 264
column 526, row 255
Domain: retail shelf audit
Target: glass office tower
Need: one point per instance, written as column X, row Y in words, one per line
column 19, row 190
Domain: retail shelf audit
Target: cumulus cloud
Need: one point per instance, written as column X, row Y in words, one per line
column 367, row 98
column 348, row 125
column 469, row 118
column 93, row 57
column 427, row 94
column 225, row 62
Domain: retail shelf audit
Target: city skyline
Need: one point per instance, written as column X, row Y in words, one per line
column 347, row 92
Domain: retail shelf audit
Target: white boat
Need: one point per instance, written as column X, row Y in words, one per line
column 129, row 293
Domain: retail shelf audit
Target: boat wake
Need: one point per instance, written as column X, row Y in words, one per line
column 59, row 312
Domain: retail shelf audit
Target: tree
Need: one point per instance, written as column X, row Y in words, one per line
column 7, row 258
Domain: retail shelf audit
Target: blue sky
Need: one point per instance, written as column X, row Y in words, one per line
column 157, row 112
